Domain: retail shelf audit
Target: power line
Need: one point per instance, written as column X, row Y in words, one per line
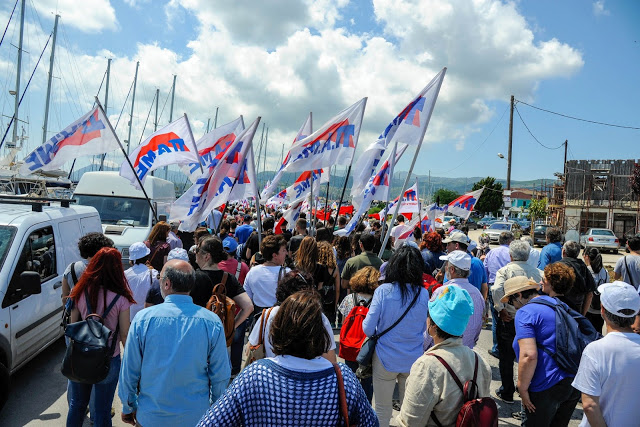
column 525, row 125
column 578, row 118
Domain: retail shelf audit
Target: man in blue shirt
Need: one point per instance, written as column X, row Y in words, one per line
column 244, row 231
column 175, row 362
column 552, row 252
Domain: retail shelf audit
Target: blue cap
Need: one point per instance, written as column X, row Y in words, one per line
column 229, row 244
column 450, row 308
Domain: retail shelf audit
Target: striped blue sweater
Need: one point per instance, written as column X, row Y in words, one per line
column 266, row 394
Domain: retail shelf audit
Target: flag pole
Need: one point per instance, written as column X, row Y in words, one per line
column 413, row 162
column 194, row 143
column 392, row 159
column 155, row 214
column 326, row 199
column 255, row 186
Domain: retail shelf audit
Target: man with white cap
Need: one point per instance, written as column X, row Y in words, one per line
column 431, row 391
column 140, row 277
column 608, row 376
column 458, row 264
column 458, row 241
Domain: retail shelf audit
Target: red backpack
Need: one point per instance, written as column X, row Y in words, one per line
column 476, row 412
column 351, row 334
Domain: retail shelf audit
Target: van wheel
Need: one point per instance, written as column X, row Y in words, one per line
column 4, row 385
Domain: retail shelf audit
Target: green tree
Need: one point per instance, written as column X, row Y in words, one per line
column 489, row 201
column 446, row 196
column 537, row 209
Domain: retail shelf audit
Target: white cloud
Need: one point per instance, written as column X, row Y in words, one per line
column 599, row 8
column 90, row 16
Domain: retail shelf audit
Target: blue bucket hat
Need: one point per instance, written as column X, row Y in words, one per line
column 450, row 308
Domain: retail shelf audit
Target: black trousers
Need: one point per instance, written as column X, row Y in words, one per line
column 554, row 406
column 506, row 333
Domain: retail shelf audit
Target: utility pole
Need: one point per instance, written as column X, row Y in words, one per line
column 133, row 100
column 510, row 144
column 46, row 105
column 19, row 71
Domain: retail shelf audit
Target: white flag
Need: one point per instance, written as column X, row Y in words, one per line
column 463, row 205
column 407, row 127
column 213, row 187
column 333, row 144
column 304, row 131
column 409, row 203
column 87, row 136
column 245, row 187
column 212, row 146
column 173, row 144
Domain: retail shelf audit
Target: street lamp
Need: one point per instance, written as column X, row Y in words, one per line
column 501, row 155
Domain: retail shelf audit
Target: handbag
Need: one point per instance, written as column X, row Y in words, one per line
column 365, row 357
column 257, row 352
column 342, row 397
column 87, row 359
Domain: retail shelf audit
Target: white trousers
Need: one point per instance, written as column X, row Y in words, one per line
column 384, row 382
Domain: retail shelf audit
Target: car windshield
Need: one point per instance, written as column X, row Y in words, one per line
column 602, row 232
column 542, row 228
column 6, row 237
column 118, row 210
column 500, row 226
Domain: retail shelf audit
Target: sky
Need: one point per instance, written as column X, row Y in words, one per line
column 281, row 59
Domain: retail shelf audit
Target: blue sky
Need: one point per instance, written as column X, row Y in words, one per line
column 283, row 58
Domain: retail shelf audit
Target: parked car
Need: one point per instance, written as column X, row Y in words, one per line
column 471, row 223
column 525, row 225
column 486, row 220
column 601, row 238
column 498, row 227
column 540, row 234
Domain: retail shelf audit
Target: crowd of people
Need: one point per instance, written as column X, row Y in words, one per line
column 422, row 303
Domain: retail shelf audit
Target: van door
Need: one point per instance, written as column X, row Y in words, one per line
column 35, row 318
column 68, row 242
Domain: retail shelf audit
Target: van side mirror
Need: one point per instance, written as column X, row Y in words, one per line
column 30, row 283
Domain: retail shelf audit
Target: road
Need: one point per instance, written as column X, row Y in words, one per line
column 38, row 393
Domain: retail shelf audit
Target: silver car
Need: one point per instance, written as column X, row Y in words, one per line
column 497, row 228
column 601, row 238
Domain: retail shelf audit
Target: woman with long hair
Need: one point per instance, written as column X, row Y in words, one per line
column 296, row 387
column 343, row 251
column 402, row 294
column 102, row 281
column 593, row 260
column 330, row 290
column 157, row 244
column 431, row 250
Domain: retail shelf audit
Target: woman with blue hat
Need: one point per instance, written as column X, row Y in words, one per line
column 431, row 391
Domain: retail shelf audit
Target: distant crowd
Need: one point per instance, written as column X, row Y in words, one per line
column 225, row 326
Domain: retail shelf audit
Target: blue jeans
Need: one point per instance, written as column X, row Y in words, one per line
column 494, row 322
column 103, row 392
column 237, row 346
column 367, row 383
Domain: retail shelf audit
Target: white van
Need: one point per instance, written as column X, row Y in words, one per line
column 126, row 215
column 36, row 245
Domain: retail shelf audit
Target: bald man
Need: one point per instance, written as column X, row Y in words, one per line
column 175, row 361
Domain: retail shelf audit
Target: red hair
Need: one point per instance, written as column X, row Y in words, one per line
column 103, row 272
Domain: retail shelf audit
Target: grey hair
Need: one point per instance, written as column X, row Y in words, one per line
column 519, row 250
column 459, row 272
column 571, row 249
column 181, row 281
column 527, row 239
column 506, row 237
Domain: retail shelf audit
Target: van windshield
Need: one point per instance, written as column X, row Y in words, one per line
column 118, row 210
column 6, row 236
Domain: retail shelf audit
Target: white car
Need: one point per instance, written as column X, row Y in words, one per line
column 601, row 238
column 499, row 227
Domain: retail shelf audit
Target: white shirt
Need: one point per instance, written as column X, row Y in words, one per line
column 140, row 278
column 534, row 257
column 609, row 369
column 299, row 364
column 173, row 240
column 261, row 283
column 254, row 337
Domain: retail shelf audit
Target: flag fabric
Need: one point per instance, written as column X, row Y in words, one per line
column 407, row 127
column 333, row 144
column 408, row 228
column 212, row 146
column 304, row 131
column 291, row 215
column 213, row 187
column 245, row 186
column 302, row 185
column 87, row 136
column 277, row 200
column 409, row 201
column 433, row 218
column 463, row 205
column 173, row 144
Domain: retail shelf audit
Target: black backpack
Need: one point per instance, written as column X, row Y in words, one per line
column 88, row 356
column 573, row 333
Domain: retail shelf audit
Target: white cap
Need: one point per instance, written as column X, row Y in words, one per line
column 138, row 250
column 619, row 296
column 178, row 253
column 460, row 259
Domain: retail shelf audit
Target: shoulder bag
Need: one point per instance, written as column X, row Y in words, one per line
column 626, row 268
column 365, row 357
column 342, row 397
column 257, row 352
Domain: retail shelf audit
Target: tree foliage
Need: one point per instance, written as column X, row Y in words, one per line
column 446, row 196
column 490, row 201
column 538, row 209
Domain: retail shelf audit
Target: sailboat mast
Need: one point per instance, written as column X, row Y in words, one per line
column 215, row 120
column 155, row 123
column 173, row 95
column 133, row 100
column 106, row 90
column 19, row 71
column 46, row 105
